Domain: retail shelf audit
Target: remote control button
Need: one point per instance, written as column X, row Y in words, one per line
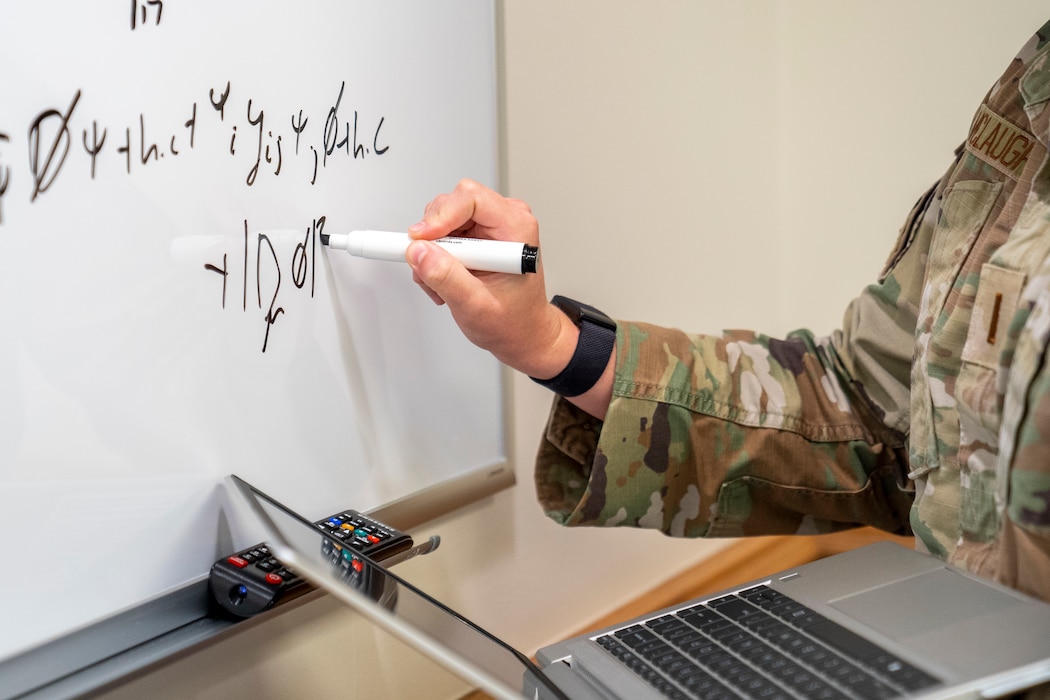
column 274, row 579
column 237, row 561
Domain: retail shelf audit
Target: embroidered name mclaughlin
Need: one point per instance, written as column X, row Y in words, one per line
column 999, row 143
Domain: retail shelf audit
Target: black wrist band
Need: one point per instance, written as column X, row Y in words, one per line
column 596, row 343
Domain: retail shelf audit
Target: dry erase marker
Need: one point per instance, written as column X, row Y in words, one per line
column 482, row 254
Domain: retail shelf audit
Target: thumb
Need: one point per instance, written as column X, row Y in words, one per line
column 439, row 271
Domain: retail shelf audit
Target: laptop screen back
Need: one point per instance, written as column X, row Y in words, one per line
column 393, row 603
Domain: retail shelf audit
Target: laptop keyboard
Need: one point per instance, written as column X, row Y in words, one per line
column 759, row 643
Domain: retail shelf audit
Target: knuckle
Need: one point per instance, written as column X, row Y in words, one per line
column 436, row 205
column 437, row 269
column 467, row 185
column 520, row 205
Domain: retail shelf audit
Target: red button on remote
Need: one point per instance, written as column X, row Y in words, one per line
column 237, row 561
column 274, row 579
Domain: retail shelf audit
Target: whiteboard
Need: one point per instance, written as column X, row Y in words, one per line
column 168, row 314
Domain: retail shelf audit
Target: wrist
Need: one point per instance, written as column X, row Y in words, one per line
column 557, row 337
column 587, row 339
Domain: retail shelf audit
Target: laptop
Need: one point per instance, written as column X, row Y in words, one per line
column 880, row 621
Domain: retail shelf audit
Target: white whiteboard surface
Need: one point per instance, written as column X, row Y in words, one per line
column 168, row 314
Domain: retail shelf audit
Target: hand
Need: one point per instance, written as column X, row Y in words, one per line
column 508, row 315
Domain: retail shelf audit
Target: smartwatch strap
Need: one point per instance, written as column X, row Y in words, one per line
column 596, row 343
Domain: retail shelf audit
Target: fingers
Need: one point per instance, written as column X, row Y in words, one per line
column 473, row 209
column 448, row 213
column 429, row 292
column 440, row 275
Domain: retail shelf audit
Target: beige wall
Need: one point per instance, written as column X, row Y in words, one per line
column 694, row 163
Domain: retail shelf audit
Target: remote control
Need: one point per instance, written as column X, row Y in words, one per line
column 252, row 580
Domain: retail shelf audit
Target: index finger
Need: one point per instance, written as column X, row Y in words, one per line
column 470, row 208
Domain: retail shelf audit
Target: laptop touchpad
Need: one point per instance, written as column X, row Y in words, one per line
column 922, row 603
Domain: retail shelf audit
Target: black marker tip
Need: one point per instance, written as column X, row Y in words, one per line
column 324, row 239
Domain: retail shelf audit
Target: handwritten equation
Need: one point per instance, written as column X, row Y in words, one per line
column 260, row 140
column 144, row 10
column 264, row 277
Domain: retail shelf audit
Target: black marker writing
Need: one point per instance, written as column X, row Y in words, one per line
column 95, row 146
column 271, row 253
column 221, row 271
column 139, row 143
column 126, row 150
column 348, row 142
column 220, row 106
column 147, row 152
column 139, row 9
column 300, row 262
column 298, row 127
column 258, row 121
column 5, row 178
column 244, row 292
column 274, row 310
column 331, row 127
column 190, row 124
column 277, row 148
column 375, row 139
column 359, row 150
column 44, row 174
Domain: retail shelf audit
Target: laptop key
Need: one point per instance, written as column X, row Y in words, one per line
column 759, row 624
column 763, row 596
column 609, row 643
column 700, row 616
column 734, row 608
column 634, row 635
column 671, row 628
column 698, row 648
column 703, row 684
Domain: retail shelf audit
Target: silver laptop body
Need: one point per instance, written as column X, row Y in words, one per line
column 915, row 626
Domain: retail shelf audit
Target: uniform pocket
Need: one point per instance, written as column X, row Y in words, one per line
column 943, row 324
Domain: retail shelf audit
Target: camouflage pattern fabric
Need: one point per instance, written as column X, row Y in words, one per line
column 928, row 412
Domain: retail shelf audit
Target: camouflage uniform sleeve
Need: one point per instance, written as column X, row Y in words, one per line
column 743, row 434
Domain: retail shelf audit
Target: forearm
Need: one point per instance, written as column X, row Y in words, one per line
column 725, row 435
